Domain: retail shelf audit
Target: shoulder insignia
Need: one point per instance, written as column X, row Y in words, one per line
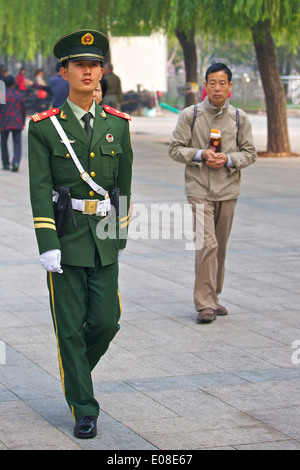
column 44, row 114
column 115, row 112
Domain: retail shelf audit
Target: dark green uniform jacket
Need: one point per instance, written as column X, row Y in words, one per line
column 50, row 167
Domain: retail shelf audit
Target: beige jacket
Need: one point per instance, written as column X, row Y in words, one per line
column 214, row 185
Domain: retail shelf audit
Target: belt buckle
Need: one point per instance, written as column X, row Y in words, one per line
column 84, row 176
column 90, row 207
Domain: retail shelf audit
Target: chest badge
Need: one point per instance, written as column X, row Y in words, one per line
column 109, row 138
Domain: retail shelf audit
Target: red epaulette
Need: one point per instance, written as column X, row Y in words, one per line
column 115, row 112
column 44, row 114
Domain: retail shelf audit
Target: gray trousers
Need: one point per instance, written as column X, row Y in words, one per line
column 210, row 258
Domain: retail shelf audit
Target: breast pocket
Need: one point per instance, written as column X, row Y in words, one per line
column 110, row 155
column 63, row 166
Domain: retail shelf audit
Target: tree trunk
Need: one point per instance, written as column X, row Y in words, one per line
column 278, row 137
column 188, row 45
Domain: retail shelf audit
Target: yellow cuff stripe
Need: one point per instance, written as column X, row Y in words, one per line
column 45, row 226
column 125, row 224
column 124, row 218
column 44, row 219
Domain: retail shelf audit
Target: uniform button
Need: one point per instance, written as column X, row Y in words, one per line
column 112, row 152
column 91, row 193
column 92, row 154
column 68, row 155
column 93, row 173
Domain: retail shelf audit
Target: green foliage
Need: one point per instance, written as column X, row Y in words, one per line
column 236, row 18
column 29, row 26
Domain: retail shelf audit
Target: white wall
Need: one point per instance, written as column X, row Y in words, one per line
column 140, row 60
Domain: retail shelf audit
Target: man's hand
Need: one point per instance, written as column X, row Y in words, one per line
column 50, row 261
column 214, row 160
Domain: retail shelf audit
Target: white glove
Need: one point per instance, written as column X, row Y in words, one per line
column 120, row 255
column 50, row 261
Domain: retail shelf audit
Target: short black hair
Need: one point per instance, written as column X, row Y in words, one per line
column 9, row 81
column 217, row 67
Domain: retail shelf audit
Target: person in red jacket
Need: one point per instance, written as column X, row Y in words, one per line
column 12, row 119
column 22, row 82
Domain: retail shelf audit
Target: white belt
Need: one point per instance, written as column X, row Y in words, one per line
column 89, row 206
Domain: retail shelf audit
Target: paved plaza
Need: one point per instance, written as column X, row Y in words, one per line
column 166, row 382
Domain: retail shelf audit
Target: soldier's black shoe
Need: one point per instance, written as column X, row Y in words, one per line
column 86, row 427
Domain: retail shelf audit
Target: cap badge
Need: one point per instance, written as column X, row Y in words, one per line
column 87, row 39
column 109, row 138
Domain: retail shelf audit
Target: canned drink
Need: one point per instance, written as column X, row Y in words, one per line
column 215, row 140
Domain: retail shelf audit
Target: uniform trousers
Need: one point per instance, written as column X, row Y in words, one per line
column 210, row 258
column 86, row 308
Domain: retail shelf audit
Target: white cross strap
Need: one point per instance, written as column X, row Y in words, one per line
column 83, row 174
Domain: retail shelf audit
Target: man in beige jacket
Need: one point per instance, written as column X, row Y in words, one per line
column 212, row 180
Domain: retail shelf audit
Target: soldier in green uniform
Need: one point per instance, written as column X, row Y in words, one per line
column 74, row 191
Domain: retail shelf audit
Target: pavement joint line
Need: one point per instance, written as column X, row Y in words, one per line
column 19, row 262
column 203, row 380
column 170, row 254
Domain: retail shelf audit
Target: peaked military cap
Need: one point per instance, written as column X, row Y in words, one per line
column 83, row 44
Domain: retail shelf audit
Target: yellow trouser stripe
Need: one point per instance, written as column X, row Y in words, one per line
column 62, row 373
column 120, row 303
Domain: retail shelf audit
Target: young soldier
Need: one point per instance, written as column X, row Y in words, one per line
column 69, row 197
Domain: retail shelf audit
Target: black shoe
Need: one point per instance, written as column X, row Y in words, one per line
column 6, row 167
column 15, row 168
column 86, row 427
